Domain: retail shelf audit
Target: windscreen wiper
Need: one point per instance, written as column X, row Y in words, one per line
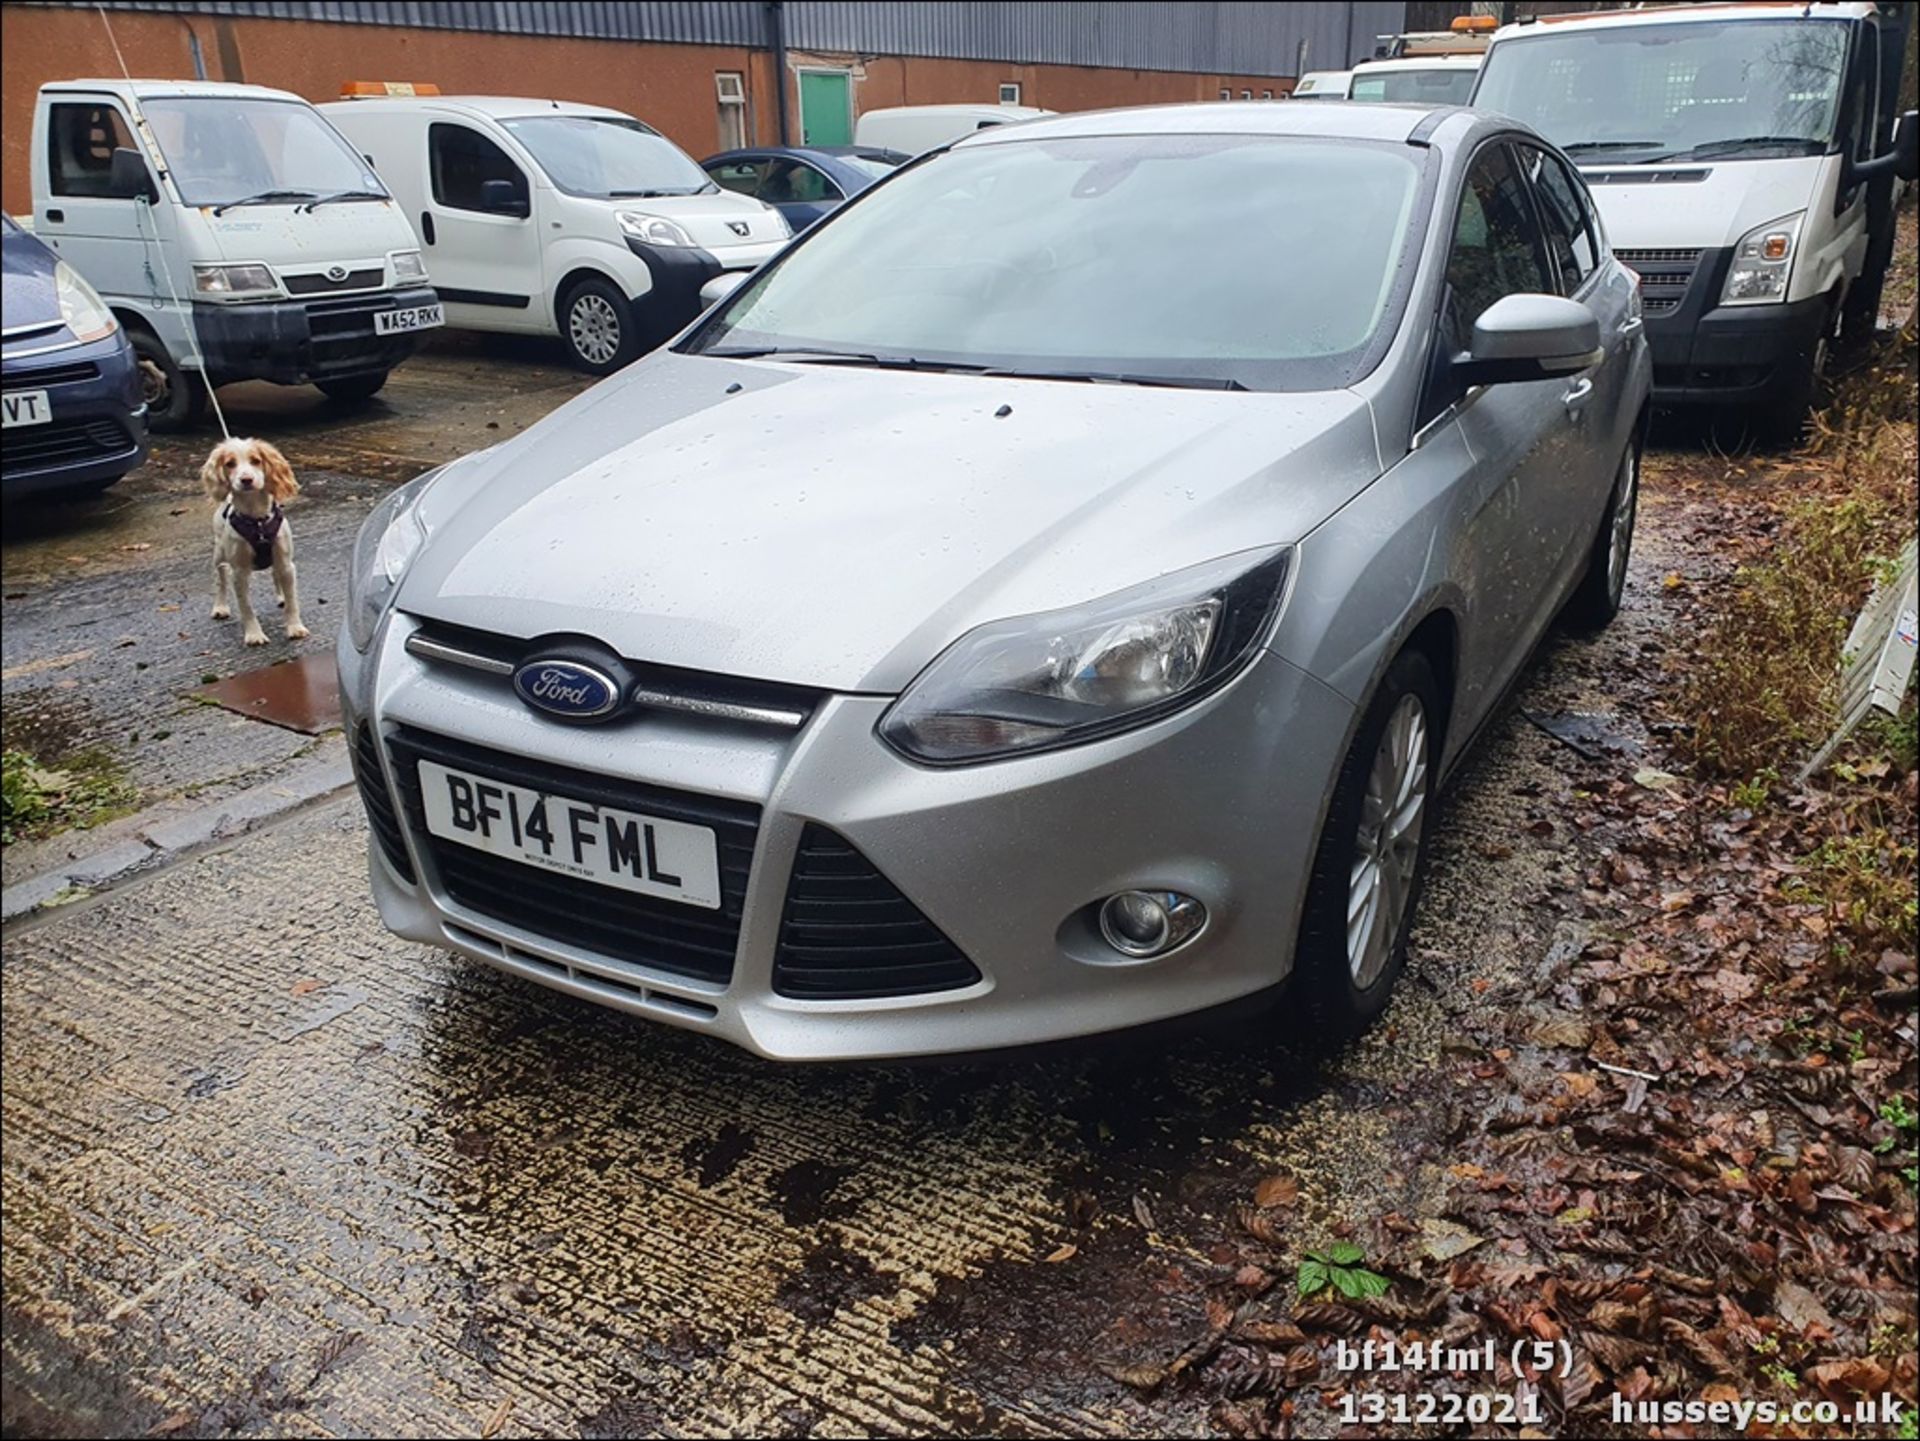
column 1749, row 142
column 1589, row 147
column 316, row 203
column 1121, row 377
column 265, row 197
column 801, row 355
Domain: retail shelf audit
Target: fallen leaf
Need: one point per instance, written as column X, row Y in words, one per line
column 1143, row 1213
column 497, row 1420
column 1653, row 779
column 1145, row 1377
column 306, row 986
column 1801, row 1309
column 1445, row 1240
column 1579, row 1083
column 1064, row 1253
column 1276, row 1191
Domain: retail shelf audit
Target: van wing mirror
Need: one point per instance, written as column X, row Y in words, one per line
column 721, row 286
column 1902, row 161
column 503, row 197
column 1530, row 337
column 127, row 177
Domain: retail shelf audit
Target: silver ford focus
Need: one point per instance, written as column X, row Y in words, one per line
column 1044, row 599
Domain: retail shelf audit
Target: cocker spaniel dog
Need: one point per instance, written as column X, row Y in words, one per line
column 250, row 481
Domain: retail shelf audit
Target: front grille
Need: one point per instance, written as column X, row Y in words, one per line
column 667, row 936
column 659, row 688
column 848, row 932
column 320, row 285
column 70, row 373
column 1664, row 276
column 63, row 442
column 378, row 800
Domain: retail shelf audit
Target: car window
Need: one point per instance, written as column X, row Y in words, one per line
column 1449, row 85
column 81, row 140
column 794, row 182
column 1077, row 254
column 462, row 161
column 740, row 176
column 1563, row 214
column 1496, row 244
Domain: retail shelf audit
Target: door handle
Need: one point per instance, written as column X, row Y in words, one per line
column 1631, row 327
column 1577, row 395
column 57, row 217
column 426, row 227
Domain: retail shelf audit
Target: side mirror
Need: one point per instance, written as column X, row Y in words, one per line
column 503, row 197
column 1902, row 162
column 1530, row 337
column 721, row 286
column 127, row 177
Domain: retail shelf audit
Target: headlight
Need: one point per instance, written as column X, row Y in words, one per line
column 407, row 265
column 652, row 229
column 81, row 307
column 234, row 280
column 1072, row 675
column 1762, row 261
column 389, row 540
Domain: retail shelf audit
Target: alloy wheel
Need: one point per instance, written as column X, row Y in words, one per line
column 594, row 328
column 1387, row 849
column 1626, row 501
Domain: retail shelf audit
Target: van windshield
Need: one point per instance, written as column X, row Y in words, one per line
column 608, row 157
column 224, row 150
column 1247, row 261
column 1685, row 90
column 1449, row 85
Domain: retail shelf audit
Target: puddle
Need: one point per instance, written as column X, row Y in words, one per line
column 300, row 695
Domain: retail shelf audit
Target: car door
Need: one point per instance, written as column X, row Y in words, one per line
column 485, row 261
column 1595, row 399
column 1510, row 543
column 799, row 191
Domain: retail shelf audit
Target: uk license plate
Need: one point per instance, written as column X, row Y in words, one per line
column 25, row 407
column 418, row 317
column 672, row 860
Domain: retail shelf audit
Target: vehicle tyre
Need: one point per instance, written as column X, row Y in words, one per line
column 598, row 327
column 1371, row 862
column 176, row 398
column 353, row 388
column 1783, row 419
column 1597, row 600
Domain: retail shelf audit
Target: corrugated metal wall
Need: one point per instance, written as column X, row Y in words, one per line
column 1236, row 37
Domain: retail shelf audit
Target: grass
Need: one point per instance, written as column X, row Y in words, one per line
column 88, row 787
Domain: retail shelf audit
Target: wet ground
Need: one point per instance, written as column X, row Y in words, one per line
column 270, row 1171
column 107, row 636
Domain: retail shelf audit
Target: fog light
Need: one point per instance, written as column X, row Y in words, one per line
column 1150, row 923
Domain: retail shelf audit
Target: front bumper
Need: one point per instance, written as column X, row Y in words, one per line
column 677, row 272
column 1705, row 353
column 98, row 429
column 296, row 342
column 1007, row 859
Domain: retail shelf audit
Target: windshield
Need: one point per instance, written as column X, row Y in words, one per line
column 1675, row 91
column 1266, row 262
column 223, row 149
column 1450, row 85
column 607, row 156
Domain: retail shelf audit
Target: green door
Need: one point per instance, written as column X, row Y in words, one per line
column 826, row 107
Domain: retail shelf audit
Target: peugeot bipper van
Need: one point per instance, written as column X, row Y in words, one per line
column 1743, row 158
column 232, row 232
column 544, row 217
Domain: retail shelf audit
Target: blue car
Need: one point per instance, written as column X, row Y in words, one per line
column 803, row 184
column 70, row 392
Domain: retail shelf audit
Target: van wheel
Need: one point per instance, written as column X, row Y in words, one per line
column 597, row 326
column 1597, row 600
column 353, row 388
column 176, row 399
column 1372, row 859
column 1783, row 419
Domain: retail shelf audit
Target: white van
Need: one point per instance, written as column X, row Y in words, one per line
column 549, row 218
column 916, row 129
column 1744, row 159
column 289, row 260
column 1424, row 67
column 1322, row 85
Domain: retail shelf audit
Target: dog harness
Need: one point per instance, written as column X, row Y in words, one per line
column 257, row 531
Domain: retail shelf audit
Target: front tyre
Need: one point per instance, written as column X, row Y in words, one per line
column 598, row 328
column 1597, row 601
column 1372, row 858
column 175, row 398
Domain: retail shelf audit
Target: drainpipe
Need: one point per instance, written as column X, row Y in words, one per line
column 777, row 28
column 1346, row 55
